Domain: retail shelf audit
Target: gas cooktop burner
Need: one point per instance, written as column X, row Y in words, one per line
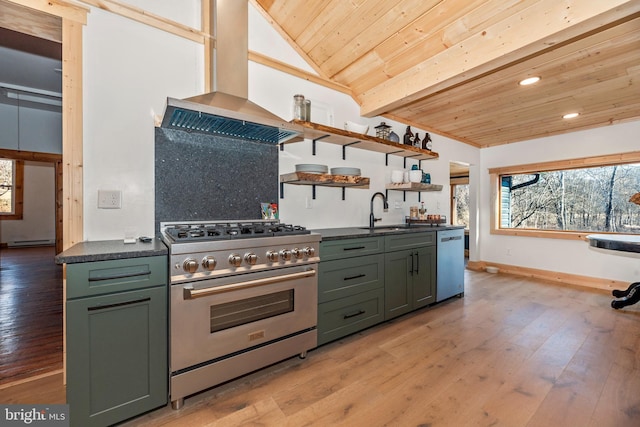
column 190, row 232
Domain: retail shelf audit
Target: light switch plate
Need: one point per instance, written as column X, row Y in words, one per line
column 109, row 199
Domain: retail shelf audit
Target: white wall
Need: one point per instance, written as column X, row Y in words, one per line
column 567, row 256
column 129, row 71
column 38, row 221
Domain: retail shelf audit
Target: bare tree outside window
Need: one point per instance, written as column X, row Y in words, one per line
column 6, row 186
column 587, row 199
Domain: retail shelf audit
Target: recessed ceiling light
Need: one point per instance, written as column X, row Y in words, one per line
column 529, row 81
column 570, row 115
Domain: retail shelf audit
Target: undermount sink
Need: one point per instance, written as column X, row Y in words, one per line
column 387, row 228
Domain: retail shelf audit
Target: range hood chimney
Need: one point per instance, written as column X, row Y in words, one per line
column 227, row 111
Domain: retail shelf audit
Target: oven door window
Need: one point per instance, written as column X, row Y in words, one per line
column 235, row 313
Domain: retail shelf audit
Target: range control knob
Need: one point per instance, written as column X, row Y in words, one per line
column 235, row 260
column 272, row 256
column 190, row 265
column 285, row 254
column 297, row 253
column 209, row 263
column 250, row 258
column 309, row 252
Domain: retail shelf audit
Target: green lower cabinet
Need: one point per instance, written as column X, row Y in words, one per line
column 346, row 316
column 410, row 280
column 116, row 342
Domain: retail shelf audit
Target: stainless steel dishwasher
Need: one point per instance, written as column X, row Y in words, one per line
column 450, row 275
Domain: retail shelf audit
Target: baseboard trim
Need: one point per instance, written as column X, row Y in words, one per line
column 553, row 276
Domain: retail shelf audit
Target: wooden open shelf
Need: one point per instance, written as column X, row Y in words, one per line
column 414, row 186
column 323, row 179
column 317, row 132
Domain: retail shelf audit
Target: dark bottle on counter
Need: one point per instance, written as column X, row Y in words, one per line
column 426, row 142
column 408, row 136
column 416, row 141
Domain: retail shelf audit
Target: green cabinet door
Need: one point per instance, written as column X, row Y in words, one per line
column 424, row 277
column 409, row 280
column 398, row 276
column 116, row 356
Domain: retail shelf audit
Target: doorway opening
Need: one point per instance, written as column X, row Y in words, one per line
column 459, row 203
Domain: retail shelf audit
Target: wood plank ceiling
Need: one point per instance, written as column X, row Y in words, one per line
column 453, row 66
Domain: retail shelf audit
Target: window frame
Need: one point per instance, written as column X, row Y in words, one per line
column 18, row 191
column 577, row 163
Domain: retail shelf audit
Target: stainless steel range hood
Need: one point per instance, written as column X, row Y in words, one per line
column 227, row 111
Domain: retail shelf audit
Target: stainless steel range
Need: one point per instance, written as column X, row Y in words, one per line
column 243, row 296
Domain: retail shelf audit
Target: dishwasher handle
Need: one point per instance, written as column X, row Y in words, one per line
column 447, row 239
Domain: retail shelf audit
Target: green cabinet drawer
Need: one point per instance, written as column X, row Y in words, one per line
column 397, row 242
column 340, row 249
column 346, row 277
column 345, row 316
column 103, row 277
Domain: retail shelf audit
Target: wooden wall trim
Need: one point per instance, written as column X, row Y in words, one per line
column 600, row 284
column 297, row 72
column 581, row 162
column 60, row 8
column 148, row 18
column 72, row 128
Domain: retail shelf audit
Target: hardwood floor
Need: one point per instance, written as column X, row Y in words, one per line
column 512, row 352
column 30, row 313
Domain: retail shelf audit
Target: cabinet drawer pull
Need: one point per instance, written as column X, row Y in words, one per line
column 357, row 313
column 354, row 248
column 119, row 276
column 357, row 276
column 118, row 304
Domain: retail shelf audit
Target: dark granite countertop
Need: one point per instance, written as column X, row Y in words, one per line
column 355, row 232
column 105, row 250
column 615, row 242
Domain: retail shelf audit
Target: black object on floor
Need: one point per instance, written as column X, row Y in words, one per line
column 627, row 297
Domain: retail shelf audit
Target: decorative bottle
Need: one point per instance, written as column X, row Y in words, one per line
column 426, row 142
column 416, row 141
column 408, row 136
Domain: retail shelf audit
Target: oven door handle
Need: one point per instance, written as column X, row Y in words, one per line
column 190, row 293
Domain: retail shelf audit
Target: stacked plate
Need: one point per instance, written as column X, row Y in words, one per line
column 311, row 168
column 345, row 171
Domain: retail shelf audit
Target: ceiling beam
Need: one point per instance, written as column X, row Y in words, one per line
column 537, row 28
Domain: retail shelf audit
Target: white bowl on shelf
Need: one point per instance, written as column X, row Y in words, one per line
column 346, row 171
column 356, row 127
column 311, row 168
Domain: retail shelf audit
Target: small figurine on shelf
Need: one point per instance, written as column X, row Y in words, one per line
column 408, row 136
column 416, row 141
column 423, row 211
column 426, row 142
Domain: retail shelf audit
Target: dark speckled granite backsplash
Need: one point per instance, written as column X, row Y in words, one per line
column 202, row 177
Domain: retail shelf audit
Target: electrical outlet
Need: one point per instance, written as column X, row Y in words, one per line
column 508, row 251
column 109, row 199
column 398, row 205
column 307, row 203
